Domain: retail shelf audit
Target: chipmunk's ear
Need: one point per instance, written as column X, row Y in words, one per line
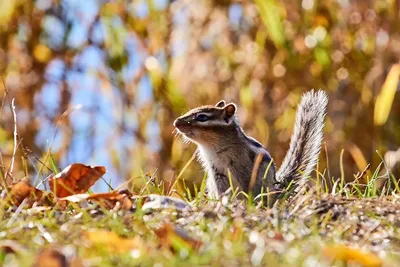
column 221, row 104
column 230, row 110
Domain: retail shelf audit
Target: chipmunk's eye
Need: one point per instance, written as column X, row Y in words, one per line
column 201, row 117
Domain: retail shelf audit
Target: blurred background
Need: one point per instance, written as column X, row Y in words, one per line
column 100, row 82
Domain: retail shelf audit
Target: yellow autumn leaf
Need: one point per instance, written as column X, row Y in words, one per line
column 176, row 239
column 347, row 255
column 42, row 53
column 112, row 242
column 384, row 101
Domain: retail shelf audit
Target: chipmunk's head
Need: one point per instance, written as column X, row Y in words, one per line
column 206, row 124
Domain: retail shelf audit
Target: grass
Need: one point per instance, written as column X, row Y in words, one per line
column 313, row 228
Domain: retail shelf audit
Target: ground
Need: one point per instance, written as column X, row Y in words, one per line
column 310, row 229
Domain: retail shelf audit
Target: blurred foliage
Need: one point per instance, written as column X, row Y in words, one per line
column 137, row 65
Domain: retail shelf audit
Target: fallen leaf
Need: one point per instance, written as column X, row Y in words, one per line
column 50, row 258
column 10, row 246
column 75, row 179
column 347, row 254
column 23, row 190
column 176, row 239
column 112, row 199
column 112, row 242
column 108, row 200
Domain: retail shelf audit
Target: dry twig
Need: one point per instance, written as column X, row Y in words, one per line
column 11, row 168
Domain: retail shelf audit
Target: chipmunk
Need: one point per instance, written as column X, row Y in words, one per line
column 230, row 157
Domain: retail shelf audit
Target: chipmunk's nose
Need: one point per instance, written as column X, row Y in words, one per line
column 180, row 122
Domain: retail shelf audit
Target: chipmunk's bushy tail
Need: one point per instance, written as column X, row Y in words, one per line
column 305, row 143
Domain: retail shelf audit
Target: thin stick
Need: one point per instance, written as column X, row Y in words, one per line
column 10, row 171
column 3, row 172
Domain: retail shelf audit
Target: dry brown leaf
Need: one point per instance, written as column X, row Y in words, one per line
column 23, row 190
column 112, row 242
column 51, row 257
column 75, row 179
column 10, row 246
column 347, row 254
column 176, row 239
column 110, row 200
column 107, row 200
